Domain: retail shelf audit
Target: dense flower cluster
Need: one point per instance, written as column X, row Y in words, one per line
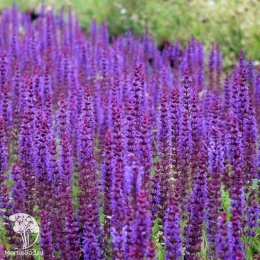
column 123, row 151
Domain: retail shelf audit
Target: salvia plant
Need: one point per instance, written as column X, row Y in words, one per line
column 123, row 151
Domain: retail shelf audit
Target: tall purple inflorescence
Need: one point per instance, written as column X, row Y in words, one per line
column 214, row 186
column 146, row 151
column 26, row 159
column 196, row 211
column 172, row 226
column 18, row 191
column 72, row 240
column 3, row 152
column 46, row 237
column 122, row 150
column 141, row 229
column 237, row 177
column 175, row 129
column 118, row 200
column 164, row 150
column 224, row 246
column 88, row 178
column 91, row 246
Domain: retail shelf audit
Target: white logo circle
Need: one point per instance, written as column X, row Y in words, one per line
column 25, row 225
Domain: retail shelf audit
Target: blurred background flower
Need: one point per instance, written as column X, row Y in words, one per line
column 232, row 23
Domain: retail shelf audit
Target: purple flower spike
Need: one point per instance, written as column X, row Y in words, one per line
column 250, row 147
column 155, row 193
column 175, row 129
column 46, row 237
column 3, row 152
column 214, row 186
column 151, row 254
column 62, row 117
column 185, row 148
column 7, row 205
column 131, row 148
column 91, row 246
column 224, row 245
column 253, row 215
column 141, row 229
column 164, row 148
column 256, row 98
column 107, row 171
column 250, row 77
column 26, row 160
column 187, row 90
column 227, row 94
column 146, row 151
column 196, row 215
column 18, row 191
column 238, row 246
column 172, row 227
column 71, row 233
column 237, row 178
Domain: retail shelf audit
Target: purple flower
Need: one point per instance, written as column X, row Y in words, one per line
column 185, row 148
column 155, row 192
column 253, row 214
column 196, row 212
column 3, row 152
column 26, row 159
column 141, row 229
column 72, row 240
column 187, row 90
column 250, row 147
column 146, row 149
column 214, row 186
column 118, row 147
column 91, row 248
column 238, row 246
column 211, row 64
column 3, row 69
column 18, row 191
column 46, row 237
column 227, row 97
column 237, row 195
column 164, row 149
column 151, row 254
column 62, row 117
column 7, row 205
column 175, row 128
column 107, row 174
column 224, row 245
column 172, row 227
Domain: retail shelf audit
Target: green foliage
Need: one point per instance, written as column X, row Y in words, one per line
column 102, row 216
column 255, row 243
column 255, row 184
column 156, row 234
column 233, row 23
column 252, row 245
column 75, row 190
column 36, row 209
column 3, row 232
column 9, row 182
column 37, row 249
column 225, row 202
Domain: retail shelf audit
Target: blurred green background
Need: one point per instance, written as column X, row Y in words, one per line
column 235, row 24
